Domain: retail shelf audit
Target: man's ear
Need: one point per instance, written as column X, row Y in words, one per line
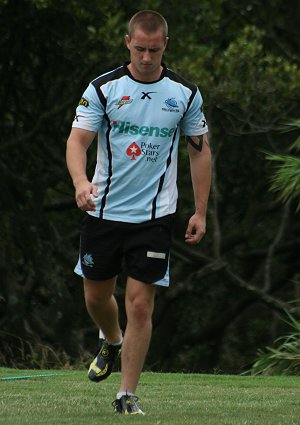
column 127, row 40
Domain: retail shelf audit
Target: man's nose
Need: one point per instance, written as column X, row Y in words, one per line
column 146, row 56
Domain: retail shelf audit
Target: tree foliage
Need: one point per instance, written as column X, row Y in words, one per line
column 284, row 358
column 226, row 294
column 286, row 179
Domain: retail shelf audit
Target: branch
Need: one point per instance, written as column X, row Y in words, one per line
column 272, row 247
column 39, row 327
column 214, row 213
column 267, row 299
column 191, row 255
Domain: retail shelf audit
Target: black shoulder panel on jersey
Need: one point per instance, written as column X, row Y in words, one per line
column 177, row 78
column 105, row 78
column 180, row 80
column 115, row 74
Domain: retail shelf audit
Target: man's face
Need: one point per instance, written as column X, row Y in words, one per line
column 146, row 52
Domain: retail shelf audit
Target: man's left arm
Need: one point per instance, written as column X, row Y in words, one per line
column 200, row 164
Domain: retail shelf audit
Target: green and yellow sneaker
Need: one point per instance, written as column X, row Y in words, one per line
column 127, row 405
column 102, row 365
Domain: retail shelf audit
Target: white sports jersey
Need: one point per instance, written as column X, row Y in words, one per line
column 138, row 126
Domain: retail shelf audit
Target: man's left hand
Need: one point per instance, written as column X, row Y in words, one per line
column 196, row 229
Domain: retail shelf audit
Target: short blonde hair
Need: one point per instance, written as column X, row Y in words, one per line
column 149, row 21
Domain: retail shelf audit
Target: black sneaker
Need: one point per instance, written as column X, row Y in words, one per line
column 101, row 366
column 127, row 405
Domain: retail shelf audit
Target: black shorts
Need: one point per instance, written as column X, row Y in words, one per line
column 144, row 248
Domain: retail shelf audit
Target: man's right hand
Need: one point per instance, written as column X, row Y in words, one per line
column 84, row 190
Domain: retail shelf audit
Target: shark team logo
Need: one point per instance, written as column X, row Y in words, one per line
column 171, row 105
column 88, row 260
column 133, row 150
column 124, row 101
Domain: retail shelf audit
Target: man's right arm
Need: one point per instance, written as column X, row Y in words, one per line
column 76, row 157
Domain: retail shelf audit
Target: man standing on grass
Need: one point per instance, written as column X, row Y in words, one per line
column 138, row 111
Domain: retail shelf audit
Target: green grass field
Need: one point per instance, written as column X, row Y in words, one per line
column 175, row 399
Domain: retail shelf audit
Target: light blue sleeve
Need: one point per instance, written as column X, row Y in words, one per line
column 194, row 122
column 90, row 111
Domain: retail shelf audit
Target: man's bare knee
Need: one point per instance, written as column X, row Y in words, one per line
column 139, row 302
column 97, row 293
column 140, row 312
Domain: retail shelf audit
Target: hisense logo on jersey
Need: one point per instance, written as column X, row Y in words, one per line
column 126, row 127
column 124, row 101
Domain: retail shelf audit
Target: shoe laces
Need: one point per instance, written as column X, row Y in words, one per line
column 129, row 400
column 132, row 399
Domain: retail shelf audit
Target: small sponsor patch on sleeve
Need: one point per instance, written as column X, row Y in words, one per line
column 83, row 102
column 159, row 255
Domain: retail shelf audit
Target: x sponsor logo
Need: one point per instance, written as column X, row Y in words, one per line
column 146, row 95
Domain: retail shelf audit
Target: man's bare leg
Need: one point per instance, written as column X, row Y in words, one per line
column 139, row 304
column 102, row 307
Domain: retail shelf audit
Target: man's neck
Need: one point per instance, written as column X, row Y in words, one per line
column 145, row 78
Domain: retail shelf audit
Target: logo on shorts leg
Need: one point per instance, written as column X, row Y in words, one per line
column 159, row 255
column 88, row 260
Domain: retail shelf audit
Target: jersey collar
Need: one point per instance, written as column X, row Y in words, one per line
column 162, row 75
